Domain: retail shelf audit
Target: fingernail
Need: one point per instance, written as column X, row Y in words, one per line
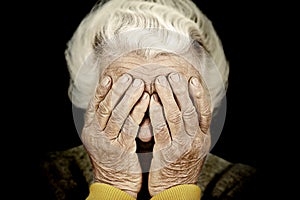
column 174, row 77
column 161, row 80
column 145, row 96
column 155, row 97
column 195, row 81
column 105, row 82
column 124, row 78
column 137, row 83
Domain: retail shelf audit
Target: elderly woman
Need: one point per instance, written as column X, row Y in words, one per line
column 151, row 75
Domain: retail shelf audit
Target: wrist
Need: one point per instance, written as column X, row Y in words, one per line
column 123, row 186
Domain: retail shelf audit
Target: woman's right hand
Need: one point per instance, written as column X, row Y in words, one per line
column 111, row 124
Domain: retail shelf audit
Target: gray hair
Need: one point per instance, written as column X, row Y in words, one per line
column 116, row 27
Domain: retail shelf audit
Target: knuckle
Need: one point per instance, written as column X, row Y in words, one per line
column 103, row 108
column 111, row 132
column 206, row 116
column 203, row 142
column 174, row 117
column 160, row 127
column 206, row 109
column 130, row 124
column 190, row 111
column 102, row 91
column 204, row 127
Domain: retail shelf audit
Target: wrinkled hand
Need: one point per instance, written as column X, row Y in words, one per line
column 111, row 125
column 181, row 132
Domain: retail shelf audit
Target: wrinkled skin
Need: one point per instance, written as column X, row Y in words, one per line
column 179, row 119
column 109, row 133
column 180, row 143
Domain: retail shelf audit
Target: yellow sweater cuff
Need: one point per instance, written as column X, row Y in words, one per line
column 180, row 192
column 100, row 191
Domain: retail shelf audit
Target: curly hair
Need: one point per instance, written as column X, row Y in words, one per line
column 115, row 27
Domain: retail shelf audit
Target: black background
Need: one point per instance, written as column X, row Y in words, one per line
column 41, row 31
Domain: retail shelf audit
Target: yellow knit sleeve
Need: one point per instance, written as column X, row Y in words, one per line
column 100, row 191
column 180, row 192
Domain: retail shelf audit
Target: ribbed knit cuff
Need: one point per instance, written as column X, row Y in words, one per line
column 180, row 192
column 100, row 191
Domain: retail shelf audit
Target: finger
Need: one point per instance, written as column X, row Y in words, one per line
column 128, row 134
column 138, row 114
column 140, row 108
column 201, row 99
column 102, row 90
column 180, row 89
column 114, row 95
column 122, row 110
column 160, row 129
column 100, row 93
column 171, row 109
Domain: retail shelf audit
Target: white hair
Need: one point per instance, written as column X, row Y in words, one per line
column 117, row 27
